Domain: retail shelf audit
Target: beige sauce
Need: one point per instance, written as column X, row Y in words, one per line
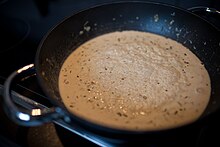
column 135, row 81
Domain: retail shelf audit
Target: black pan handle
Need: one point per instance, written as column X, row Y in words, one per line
column 210, row 14
column 34, row 113
column 33, row 117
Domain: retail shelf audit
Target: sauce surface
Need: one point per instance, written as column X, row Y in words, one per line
column 134, row 81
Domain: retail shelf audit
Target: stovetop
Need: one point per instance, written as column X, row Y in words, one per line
column 23, row 24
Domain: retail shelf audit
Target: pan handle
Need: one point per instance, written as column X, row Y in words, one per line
column 25, row 117
column 212, row 14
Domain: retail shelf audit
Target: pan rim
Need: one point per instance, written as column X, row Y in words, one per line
column 86, row 122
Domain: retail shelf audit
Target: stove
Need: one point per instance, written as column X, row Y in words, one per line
column 23, row 25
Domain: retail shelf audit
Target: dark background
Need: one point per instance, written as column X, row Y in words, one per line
column 23, row 23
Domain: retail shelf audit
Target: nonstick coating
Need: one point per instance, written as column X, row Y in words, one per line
column 198, row 35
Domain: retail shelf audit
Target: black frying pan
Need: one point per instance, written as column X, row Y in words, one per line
column 198, row 35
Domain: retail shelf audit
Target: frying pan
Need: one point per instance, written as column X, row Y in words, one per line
column 201, row 37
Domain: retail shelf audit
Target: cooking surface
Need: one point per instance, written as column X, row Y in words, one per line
column 23, row 24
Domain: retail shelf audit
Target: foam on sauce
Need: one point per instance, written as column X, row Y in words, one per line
column 134, row 81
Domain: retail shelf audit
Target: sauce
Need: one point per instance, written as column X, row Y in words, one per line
column 134, row 81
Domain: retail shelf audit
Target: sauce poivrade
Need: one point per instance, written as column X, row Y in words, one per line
column 134, row 80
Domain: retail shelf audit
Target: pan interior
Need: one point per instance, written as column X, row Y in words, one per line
column 135, row 81
column 164, row 20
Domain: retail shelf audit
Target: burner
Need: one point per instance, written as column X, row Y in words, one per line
column 13, row 32
column 43, row 136
column 3, row 1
